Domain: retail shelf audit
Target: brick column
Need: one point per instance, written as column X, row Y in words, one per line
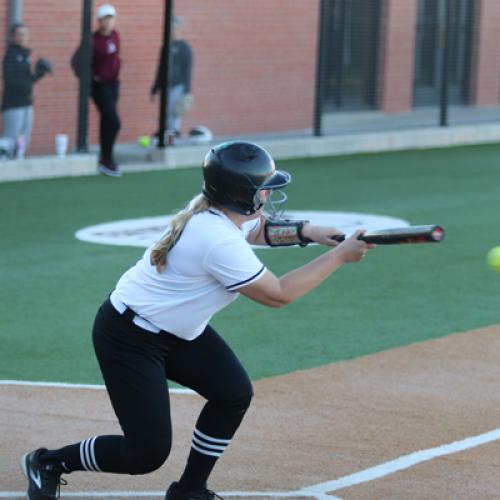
column 397, row 53
column 485, row 68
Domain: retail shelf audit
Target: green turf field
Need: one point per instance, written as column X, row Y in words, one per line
column 51, row 283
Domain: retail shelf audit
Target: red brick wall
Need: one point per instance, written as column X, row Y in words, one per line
column 254, row 65
column 485, row 85
column 396, row 68
column 54, row 34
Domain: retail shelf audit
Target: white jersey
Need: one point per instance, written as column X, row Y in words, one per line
column 209, row 262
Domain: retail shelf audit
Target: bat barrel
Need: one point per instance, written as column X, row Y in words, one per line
column 409, row 234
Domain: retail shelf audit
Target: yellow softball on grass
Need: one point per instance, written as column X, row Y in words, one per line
column 493, row 259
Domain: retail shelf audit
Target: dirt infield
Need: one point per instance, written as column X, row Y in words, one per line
column 307, row 428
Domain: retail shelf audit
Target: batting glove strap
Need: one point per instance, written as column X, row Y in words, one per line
column 285, row 233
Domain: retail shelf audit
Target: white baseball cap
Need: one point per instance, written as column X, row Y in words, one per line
column 106, row 10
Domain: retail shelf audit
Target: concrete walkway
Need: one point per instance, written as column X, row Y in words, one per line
column 343, row 133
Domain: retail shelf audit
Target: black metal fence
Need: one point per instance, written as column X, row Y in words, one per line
column 442, row 51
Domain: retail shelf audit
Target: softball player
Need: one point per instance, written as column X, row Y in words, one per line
column 154, row 326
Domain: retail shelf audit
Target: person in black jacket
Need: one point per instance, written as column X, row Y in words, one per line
column 18, row 77
column 180, row 98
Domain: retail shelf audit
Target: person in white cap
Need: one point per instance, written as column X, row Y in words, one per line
column 106, row 66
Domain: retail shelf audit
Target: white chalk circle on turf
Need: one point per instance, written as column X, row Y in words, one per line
column 145, row 231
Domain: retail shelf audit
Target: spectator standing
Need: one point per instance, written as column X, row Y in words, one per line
column 180, row 98
column 17, row 99
column 106, row 66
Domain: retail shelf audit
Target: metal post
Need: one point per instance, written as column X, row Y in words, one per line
column 15, row 11
column 85, row 77
column 339, row 60
column 165, row 63
column 443, row 111
column 320, row 69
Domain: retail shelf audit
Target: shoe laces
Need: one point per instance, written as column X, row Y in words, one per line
column 55, row 481
column 61, row 482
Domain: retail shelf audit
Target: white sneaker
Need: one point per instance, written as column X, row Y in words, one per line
column 111, row 169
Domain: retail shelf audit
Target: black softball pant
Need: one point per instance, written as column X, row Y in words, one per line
column 135, row 364
column 105, row 96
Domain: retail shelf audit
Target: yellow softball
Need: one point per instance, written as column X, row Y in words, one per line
column 144, row 141
column 493, row 259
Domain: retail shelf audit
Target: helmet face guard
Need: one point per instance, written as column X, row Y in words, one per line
column 275, row 203
column 236, row 172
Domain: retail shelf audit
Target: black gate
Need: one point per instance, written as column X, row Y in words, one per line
column 351, row 47
column 429, row 51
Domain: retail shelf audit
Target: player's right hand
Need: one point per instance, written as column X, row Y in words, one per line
column 353, row 249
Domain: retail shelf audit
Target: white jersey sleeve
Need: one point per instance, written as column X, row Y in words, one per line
column 233, row 263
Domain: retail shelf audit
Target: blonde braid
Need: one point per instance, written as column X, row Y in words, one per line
column 159, row 253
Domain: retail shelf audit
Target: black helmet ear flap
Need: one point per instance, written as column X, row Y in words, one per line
column 235, row 171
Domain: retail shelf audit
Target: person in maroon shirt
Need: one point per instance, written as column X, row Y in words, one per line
column 105, row 86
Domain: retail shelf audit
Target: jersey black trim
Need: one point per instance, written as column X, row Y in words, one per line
column 236, row 285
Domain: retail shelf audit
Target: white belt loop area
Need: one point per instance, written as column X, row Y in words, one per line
column 137, row 320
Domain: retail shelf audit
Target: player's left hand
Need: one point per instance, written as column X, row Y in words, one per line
column 321, row 234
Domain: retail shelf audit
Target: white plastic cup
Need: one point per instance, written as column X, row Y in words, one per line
column 62, row 141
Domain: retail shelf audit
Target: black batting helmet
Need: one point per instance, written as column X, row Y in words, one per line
column 235, row 172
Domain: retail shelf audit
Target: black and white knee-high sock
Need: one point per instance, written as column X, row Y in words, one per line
column 87, row 455
column 104, row 454
column 205, row 451
column 79, row 456
column 207, row 445
column 214, row 430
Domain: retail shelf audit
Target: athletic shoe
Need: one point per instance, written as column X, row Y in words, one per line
column 109, row 168
column 175, row 493
column 43, row 481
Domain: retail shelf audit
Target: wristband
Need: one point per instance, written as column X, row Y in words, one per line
column 284, row 233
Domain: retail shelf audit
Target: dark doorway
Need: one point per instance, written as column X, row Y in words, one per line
column 351, row 46
column 429, row 53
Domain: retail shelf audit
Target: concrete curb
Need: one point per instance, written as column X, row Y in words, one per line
column 45, row 167
column 281, row 148
column 304, row 147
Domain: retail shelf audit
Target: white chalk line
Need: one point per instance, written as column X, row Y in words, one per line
column 320, row 491
column 63, row 385
column 317, row 491
column 160, row 494
column 404, row 462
